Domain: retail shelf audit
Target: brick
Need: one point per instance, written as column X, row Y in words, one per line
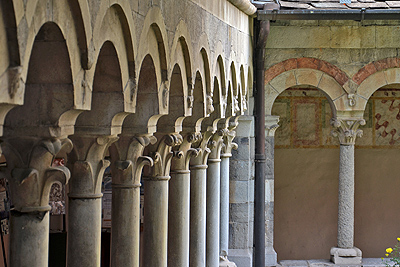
column 274, row 71
column 306, row 62
column 341, row 78
column 290, row 64
column 364, row 73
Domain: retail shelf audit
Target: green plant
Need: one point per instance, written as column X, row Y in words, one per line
column 393, row 255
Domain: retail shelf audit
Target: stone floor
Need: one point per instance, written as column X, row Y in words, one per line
column 367, row 262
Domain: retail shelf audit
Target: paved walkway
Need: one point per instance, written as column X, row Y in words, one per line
column 367, row 262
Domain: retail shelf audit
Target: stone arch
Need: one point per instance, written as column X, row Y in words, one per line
column 377, row 80
column 182, row 54
column 154, row 42
column 107, row 109
column 48, row 108
column 242, row 97
column 148, row 110
column 60, row 14
column 220, row 87
column 11, row 85
column 306, row 63
column 324, row 82
column 120, row 34
column 177, row 103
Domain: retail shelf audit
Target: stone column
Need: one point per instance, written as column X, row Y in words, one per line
column 125, row 230
column 31, row 176
column 213, row 200
column 347, row 131
column 179, row 202
column 227, row 147
column 271, row 124
column 84, row 217
column 156, row 203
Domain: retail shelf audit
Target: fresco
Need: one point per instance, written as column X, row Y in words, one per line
column 305, row 116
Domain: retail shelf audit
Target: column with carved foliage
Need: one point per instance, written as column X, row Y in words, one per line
column 226, row 153
column 128, row 162
column 84, row 218
column 213, row 198
column 347, row 131
column 198, row 178
column 179, row 202
column 155, row 184
column 30, row 174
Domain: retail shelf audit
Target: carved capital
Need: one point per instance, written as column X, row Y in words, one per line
column 29, row 170
column 129, row 160
column 347, row 130
column 216, row 142
column 88, row 165
column 203, row 151
column 185, row 152
column 228, row 144
column 162, row 155
column 271, row 124
column 209, row 105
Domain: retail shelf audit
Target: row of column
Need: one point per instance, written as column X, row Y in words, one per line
column 186, row 187
column 346, row 130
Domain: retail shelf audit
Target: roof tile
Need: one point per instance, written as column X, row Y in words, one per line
column 393, row 4
column 329, row 5
column 368, row 5
column 294, row 5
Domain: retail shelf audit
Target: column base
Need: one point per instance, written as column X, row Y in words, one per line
column 347, row 256
column 224, row 262
column 242, row 257
column 271, row 259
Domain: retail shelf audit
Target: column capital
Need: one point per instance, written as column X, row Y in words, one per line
column 29, row 170
column 216, row 142
column 228, row 144
column 185, row 152
column 162, row 154
column 347, row 129
column 271, row 124
column 128, row 159
column 88, row 164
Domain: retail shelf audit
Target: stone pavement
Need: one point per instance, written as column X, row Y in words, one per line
column 367, row 262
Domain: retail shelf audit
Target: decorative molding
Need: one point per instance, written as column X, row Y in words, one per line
column 29, row 170
column 271, row 125
column 347, row 130
column 352, row 100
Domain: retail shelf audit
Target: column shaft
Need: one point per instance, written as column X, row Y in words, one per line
column 178, row 218
column 346, row 197
column 197, row 247
column 29, row 234
column 125, row 230
column 155, row 221
column 224, row 206
column 84, row 233
column 213, row 209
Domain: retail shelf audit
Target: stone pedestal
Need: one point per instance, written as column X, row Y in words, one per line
column 346, row 256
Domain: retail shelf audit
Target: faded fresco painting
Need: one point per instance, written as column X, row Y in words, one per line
column 305, row 116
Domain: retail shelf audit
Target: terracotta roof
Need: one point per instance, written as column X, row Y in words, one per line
column 333, row 4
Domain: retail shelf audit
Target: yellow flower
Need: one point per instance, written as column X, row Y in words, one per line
column 398, row 239
column 389, row 250
column 387, row 255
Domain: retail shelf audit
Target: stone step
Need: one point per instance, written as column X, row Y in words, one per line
column 366, row 262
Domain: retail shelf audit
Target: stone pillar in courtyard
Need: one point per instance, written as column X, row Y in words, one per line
column 271, row 124
column 84, row 217
column 198, row 178
column 213, row 199
column 30, row 174
column 226, row 153
column 347, row 131
column 155, row 183
column 128, row 161
column 179, row 202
